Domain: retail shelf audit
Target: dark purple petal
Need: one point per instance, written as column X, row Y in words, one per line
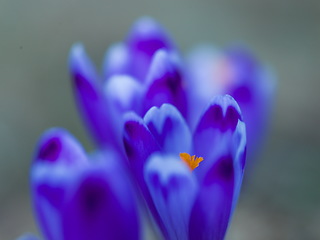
column 220, row 173
column 212, row 209
column 220, row 119
column 173, row 189
column 93, row 105
column 145, row 38
column 138, row 140
column 165, row 83
column 169, row 129
column 57, row 153
column 84, row 200
column 58, row 144
column 101, row 206
column 139, row 144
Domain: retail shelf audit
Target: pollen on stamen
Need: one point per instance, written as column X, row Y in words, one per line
column 191, row 161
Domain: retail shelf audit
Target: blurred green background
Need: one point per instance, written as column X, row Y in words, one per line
column 281, row 197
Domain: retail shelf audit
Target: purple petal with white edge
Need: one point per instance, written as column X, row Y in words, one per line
column 116, row 61
column 92, row 104
column 219, row 190
column 215, row 129
column 27, row 236
column 139, row 144
column 145, row 38
column 82, row 200
column 57, row 144
column 173, row 188
column 124, row 93
column 221, row 172
column 57, row 152
column 165, row 84
column 101, row 204
column 169, row 129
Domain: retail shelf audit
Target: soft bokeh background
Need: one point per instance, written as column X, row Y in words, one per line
column 281, row 197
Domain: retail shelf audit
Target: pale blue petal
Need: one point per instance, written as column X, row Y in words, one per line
column 173, row 189
column 169, row 129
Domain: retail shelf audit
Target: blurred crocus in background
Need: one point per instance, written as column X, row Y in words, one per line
column 166, row 124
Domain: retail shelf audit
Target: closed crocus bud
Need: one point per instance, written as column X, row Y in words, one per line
column 80, row 197
column 191, row 181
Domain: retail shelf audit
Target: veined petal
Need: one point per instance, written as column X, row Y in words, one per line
column 173, row 189
column 165, row 83
column 124, row 93
column 169, row 129
column 92, row 103
column 145, row 38
column 116, row 61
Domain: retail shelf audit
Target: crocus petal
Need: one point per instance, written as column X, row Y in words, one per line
column 116, row 61
column 124, row 93
column 215, row 129
column 202, row 69
column 81, row 199
column 58, row 144
column 169, row 129
column 92, row 103
column 101, row 205
column 253, row 88
column 145, row 38
column 57, row 152
column 212, row 209
column 173, row 189
column 165, row 83
column 221, row 172
column 139, row 144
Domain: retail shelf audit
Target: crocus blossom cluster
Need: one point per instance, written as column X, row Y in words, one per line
column 170, row 129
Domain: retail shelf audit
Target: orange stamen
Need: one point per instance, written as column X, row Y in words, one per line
column 191, row 161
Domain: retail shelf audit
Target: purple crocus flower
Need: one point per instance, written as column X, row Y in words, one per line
column 80, row 197
column 141, row 72
column 146, row 70
column 190, row 180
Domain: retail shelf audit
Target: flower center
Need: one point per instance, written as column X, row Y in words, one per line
column 191, row 161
